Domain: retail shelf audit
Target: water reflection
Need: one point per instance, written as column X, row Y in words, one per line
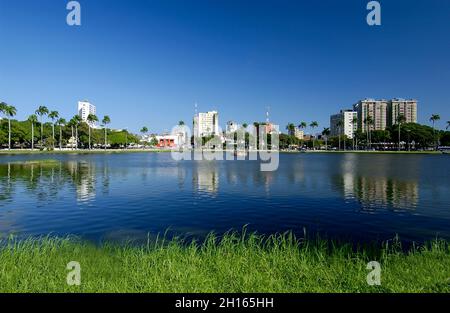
column 135, row 194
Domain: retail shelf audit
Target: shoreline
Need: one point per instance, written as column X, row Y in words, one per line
column 118, row 151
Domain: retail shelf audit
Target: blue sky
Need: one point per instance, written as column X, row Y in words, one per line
column 148, row 62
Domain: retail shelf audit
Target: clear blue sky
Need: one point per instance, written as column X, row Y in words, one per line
column 147, row 62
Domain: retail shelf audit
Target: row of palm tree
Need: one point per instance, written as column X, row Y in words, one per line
column 38, row 117
column 10, row 111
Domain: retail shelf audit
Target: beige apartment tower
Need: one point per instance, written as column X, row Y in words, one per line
column 377, row 109
column 407, row 108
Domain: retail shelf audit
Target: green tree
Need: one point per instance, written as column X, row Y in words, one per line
column 434, row 118
column 339, row 125
column 313, row 125
column 75, row 121
column 33, row 120
column 9, row 111
column 400, row 120
column 61, row 122
column 326, row 132
column 369, row 123
column 91, row 118
column 105, row 121
column 448, row 125
column 41, row 112
column 180, row 123
column 53, row 115
column 290, row 128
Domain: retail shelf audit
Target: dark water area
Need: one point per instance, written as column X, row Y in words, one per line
column 134, row 196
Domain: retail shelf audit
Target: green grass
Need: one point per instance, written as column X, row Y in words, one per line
column 235, row 263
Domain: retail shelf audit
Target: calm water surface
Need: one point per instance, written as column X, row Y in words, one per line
column 127, row 196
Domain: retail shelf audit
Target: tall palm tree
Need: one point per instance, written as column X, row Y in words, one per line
column 3, row 106
column 33, row 120
column 75, row 121
column 144, row 130
column 448, row 125
column 91, row 118
column 369, row 123
column 339, row 125
column 180, row 123
column 245, row 125
column 313, row 125
column 290, row 128
column 10, row 111
column 400, row 120
column 434, row 118
column 53, row 115
column 354, row 139
column 41, row 112
column 61, row 122
column 105, row 121
column 326, row 132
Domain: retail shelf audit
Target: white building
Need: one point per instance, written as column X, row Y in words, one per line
column 349, row 124
column 206, row 124
column 84, row 109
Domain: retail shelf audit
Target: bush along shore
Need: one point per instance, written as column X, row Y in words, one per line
column 231, row 263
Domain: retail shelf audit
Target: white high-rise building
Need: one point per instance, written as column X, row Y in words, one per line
column 206, row 124
column 349, row 124
column 84, row 109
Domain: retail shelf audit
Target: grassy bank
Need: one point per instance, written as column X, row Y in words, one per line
column 232, row 264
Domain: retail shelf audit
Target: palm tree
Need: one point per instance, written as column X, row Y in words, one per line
column 313, row 125
column 75, row 121
column 326, row 132
column 369, row 123
column 354, row 139
column 245, row 125
column 61, row 122
column 290, row 128
column 91, row 119
column 106, row 120
column 434, row 118
column 448, row 125
column 42, row 111
column 339, row 125
column 144, row 130
column 10, row 111
column 400, row 120
column 180, row 123
column 33, row 120
column 53, row 115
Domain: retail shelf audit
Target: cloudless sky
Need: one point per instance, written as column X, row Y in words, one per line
column 145, row 63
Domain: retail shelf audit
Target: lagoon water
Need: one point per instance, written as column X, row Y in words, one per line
column 118, row 197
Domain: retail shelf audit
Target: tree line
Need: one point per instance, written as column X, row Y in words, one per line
column 55, row 131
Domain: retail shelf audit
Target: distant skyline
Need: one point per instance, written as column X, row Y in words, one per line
column 145, row 63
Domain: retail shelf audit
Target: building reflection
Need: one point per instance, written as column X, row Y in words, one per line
column 205, row 177
column 83, row 174
column 376, row 187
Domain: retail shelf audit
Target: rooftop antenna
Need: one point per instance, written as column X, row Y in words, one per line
column 267, row 114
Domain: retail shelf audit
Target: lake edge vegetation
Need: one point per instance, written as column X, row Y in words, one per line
column 234, row 262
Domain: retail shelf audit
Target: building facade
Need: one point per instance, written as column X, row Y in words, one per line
column 297, row 132
column 349, row 124
column 84, row 109
column 206, row 124
column 376, row 109
column 407, row 108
